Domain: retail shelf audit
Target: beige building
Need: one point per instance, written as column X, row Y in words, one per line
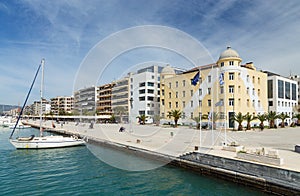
column 104, row 95
column 242, row 89
column 62, row 105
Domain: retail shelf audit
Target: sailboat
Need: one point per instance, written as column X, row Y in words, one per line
column 42, row 142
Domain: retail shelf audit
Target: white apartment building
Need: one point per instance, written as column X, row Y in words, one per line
column 36, row 107
column 282, row 95
column 85, row 101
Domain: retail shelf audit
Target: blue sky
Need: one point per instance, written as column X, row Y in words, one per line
column 63, row 32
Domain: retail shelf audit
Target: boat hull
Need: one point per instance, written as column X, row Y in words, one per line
column 46, row 142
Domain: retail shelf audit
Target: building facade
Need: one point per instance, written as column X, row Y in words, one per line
column 120, row 100
column 104, row 98
column 85, row 101
column 36, row 107
column 224, row 88
column 62, row 105
column 282, row 95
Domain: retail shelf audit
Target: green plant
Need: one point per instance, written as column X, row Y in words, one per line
column 249, row 117
column 262, row 118
column 142, row 119
column 239, row 118
column 272, row 116
column 176, row 114
column 282, row 117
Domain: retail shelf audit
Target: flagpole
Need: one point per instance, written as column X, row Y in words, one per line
column 212, row 109
column 200, row 109
column 225, row 103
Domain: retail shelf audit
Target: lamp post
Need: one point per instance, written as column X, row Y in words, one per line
column 131, row 106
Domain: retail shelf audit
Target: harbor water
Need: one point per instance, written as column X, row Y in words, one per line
column 76, row 171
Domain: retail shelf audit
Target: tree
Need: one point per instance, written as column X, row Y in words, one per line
column 282, row 117
column 156, row 119
column 112, row 119
column 142, row 119
column 249, row 117
column 272, row 116
column 176, row 114
column 262, row 118
column 197, row 120
column 239, row 118
column 120, row 110
column 298, row 118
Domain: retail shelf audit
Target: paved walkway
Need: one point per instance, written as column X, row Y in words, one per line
column 177, row 141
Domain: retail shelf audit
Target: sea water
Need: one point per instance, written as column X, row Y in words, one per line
column 76, row 171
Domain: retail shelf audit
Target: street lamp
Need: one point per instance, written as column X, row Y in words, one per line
column 131, row 106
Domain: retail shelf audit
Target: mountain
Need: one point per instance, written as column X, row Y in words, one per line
column 7, row 107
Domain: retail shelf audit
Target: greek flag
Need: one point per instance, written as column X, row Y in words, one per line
column 219, row 103
column 195, row 80
column 221, row 79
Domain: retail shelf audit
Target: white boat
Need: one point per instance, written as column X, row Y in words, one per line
column 46, row 142
column 42, row 142
column 19, row 126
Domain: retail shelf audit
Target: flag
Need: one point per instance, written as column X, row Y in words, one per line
column 195, row 80
column 219, row 103
column 209, row 116
column 221, row 79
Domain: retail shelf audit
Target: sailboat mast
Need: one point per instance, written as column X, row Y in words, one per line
column 41, row 93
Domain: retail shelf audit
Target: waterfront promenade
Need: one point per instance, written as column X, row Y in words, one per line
column 177, row 141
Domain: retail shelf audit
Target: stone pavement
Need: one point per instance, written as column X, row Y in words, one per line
column 177, row 141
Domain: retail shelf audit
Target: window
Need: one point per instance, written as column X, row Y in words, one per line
column 162, row 102
column 183, row 93
column 270, row 103
column 183, row 115
column 253, row 103
column 270, row 89
column 231, row 102
column 142, row 91
column 176, row 84
column 209, row 102
column 209, row 91
column 200, row 91
column 253, row 79
column 176, row 94
column 141, row 98
column 163, row 114
column 192, row 92
column 248, row 90
column 253, row 91
column 200, row 103
column 222, row 64
column 170, row 95
column 142, row 112
column 248, row 78
column 183, row 104
column 183, row 82
column 258, row 92
column 150, row 98
column 176, row 104
column 231, row 76
column 294, row 92
column 192, row 115
column 170, row 85
column 192, row 103
column 209, row 79
column 150, row 91
column 150, row 112
column 163, row 92
column 287, row 90
column 280, row 89
column 152, row 77
column 258, row 80
column 150, row 83
column 142, row 84
column 170, row 105
column 231, row 63
column 248, row 103
column 221, row 89
column 231, row 89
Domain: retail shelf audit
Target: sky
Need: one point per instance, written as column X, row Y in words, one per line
column 103, row 40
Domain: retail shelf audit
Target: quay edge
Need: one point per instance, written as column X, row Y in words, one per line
column 269, row 179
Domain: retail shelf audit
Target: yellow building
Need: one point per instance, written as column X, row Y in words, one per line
column 242, row 89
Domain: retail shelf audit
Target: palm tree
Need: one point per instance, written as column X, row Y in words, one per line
column 142, row 119
column 272, row 116
column 282, row 117
column 249, row 117
column 262, row 118
column 112, row 119
column 120, row 110
column 239, row 118
column 197, row 120
column 298, row 118
column 176, row 114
